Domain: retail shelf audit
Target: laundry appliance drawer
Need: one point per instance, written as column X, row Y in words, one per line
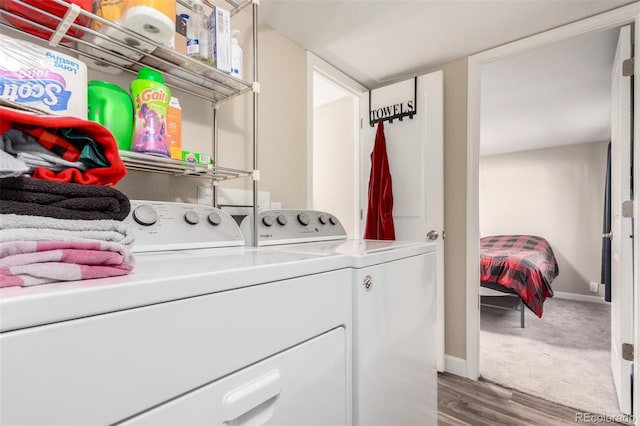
column 301, row 386
column 108, row 368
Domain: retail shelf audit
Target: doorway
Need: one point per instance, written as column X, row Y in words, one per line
column 543, row 157
column 616, row 18
column 333, row 149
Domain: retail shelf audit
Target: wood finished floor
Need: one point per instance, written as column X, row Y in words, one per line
column 466, row 402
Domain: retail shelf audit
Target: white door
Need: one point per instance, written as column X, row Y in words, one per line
column 415, row 152
column 621, row 227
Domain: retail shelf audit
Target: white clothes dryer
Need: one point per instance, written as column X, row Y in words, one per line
column 204, row 331
column 394, row 313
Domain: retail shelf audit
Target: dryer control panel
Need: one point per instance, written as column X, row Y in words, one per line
column 161, row 226
column 293, row 226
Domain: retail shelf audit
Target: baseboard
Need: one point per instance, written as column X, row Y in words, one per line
column 454, row 365
column 579, row 297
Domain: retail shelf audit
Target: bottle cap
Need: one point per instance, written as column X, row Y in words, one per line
column 149, row 74
column 235, row 33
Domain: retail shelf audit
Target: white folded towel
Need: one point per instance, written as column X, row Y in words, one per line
column 15, row 227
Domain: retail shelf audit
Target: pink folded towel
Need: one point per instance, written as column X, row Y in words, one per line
column 26, row 263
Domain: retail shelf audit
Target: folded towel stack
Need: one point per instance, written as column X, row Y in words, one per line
column 52, row 232
column 40, row 262
column 38, row 197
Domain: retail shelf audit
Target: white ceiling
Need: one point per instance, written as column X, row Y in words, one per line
column 380, row 41
column 556, row 95
column 550, row 96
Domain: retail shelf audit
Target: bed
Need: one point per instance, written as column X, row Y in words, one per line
column 519, row 265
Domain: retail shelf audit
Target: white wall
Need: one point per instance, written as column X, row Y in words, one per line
column 455, row 205
column 556, row 193
column 281, row 126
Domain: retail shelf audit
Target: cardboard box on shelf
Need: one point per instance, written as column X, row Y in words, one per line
column 196, row 157
column 174, row 128
column 222, row 39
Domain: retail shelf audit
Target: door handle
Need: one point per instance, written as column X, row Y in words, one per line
column 432, row 235
column 244, row 399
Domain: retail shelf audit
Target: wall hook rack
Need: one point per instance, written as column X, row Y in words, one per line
column 396, row 111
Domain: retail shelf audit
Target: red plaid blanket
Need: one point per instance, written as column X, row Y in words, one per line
column 523, row 263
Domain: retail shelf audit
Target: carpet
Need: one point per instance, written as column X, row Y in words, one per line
column 562, row 357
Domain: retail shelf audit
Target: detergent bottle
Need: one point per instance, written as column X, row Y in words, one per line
column 110, row 105
column 150, row 103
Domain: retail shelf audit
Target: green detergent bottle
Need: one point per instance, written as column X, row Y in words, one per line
column 111, row 106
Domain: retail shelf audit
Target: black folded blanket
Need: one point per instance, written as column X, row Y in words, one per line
column 37, row 197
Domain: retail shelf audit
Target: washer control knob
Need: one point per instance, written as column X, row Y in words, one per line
column 333, row 220
column 303, row 218
column 282, row 219
column 214, row 219
column 145, row 215
column 191, row 217
column 323, row 219
column 267, row 221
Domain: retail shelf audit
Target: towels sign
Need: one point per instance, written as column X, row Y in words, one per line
column 394, row 111
column 390, row 111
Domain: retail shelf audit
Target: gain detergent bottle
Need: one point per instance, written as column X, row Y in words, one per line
column 150, row 102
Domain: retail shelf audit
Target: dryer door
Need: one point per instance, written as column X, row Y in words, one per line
column 300, row 386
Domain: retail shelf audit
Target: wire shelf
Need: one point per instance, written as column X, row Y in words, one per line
column 180, row 71
column 151, row 163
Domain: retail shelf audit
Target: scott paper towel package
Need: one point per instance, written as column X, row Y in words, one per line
column 42, row 78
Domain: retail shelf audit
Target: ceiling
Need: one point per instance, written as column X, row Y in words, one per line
column 380, row 41
column 546, row 97
column 556, row 95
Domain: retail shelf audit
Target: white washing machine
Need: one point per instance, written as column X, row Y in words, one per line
column 195, row 335
column 394, row 313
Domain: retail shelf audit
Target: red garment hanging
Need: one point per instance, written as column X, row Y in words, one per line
column 379, row 225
